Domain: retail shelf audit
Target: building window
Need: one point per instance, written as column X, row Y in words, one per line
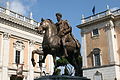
column 18, row 52
column 97, row 59
column 95, row 32
column 40, row 59
column 96, row 54
column 17, row 57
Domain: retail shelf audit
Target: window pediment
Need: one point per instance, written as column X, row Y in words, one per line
column 96, row 51
column 19, row 45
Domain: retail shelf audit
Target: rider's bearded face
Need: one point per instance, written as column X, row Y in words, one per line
column 58, row 18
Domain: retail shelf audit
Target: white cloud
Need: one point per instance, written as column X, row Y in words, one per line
column 20, row 6
column 17, row 6
column 31, row 3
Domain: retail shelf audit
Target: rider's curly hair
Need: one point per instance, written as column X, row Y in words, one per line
column 59, row 14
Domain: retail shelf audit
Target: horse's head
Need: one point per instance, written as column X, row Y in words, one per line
column 45, row 23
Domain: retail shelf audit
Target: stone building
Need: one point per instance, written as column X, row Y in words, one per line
column 100, row 45
column 18, row 39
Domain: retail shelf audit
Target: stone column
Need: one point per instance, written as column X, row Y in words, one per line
column 50, row 64
column 5, row 56
column 0, row 75
column 112, row 43
column 9, row 75
column 31, row 68
column 83, row 47
column 1, row 50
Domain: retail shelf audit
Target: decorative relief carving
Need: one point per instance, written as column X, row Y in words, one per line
column 6, row 35
column 109, row 26
column 19, row 45
column 31, row 42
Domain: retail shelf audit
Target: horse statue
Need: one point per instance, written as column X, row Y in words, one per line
column 52, row 45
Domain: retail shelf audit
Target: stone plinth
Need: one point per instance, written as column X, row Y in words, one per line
column 62, row 77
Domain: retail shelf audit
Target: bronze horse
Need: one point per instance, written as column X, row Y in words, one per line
column 52, row 45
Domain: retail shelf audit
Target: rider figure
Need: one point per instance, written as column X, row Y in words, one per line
column 63, row 30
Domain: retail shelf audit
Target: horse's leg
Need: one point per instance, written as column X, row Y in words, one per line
column 54, row 59
column 77, row 56
column 79, row 63
column 32, row 58
column 44, row 55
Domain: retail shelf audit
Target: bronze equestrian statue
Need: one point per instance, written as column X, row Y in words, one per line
column 59, row 41
column 64, row 31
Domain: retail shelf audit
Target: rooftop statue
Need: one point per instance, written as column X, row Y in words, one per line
column 59, row 41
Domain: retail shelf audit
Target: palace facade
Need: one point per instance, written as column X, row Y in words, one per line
column 18, row 39
column 100, row 45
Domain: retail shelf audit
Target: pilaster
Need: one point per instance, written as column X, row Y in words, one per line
column 112, row 43
column 31, row 68
column 1, row 51
column 84, row 53
column 9, row 75
column 50, row 64
column 5, row 56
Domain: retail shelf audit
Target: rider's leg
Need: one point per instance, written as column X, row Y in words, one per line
column 64, row 47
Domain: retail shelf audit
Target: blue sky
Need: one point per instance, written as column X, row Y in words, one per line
column 71, row 9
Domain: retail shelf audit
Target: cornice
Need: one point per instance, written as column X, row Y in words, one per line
column 17, row 21
column 27, row 27
column 105, row 18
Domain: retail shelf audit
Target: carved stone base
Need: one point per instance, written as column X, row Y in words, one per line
column 62, row 77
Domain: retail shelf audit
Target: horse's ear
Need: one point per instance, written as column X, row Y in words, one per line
column 42, row 19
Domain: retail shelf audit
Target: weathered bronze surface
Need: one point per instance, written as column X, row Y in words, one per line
column 59, row 41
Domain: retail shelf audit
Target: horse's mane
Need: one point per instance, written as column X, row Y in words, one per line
column 51, row 21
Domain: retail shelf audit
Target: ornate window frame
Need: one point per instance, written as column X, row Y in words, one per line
column 19, row 46
column 97, row 54
column 93, row 32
